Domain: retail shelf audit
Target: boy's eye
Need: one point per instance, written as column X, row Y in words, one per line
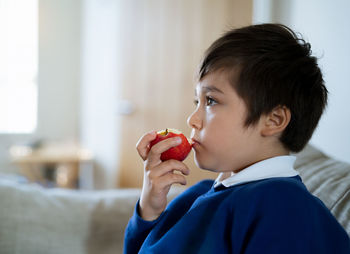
column 210, row 101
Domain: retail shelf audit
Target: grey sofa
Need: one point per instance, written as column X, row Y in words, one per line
column 37, row 220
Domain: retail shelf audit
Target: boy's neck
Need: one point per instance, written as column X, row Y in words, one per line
column 266, row 153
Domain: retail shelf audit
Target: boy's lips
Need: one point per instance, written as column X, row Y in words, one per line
column 195, row 142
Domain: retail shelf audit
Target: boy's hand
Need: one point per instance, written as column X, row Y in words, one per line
column 158, row 175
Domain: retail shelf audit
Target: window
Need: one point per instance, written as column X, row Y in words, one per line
column 18, row 65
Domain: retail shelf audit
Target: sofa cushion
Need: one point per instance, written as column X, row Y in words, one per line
column 35, row 220
column 329, row 180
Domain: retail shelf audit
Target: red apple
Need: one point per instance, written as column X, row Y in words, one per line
column 179, row 152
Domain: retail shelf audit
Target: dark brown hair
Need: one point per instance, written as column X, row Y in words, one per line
column 275, row 68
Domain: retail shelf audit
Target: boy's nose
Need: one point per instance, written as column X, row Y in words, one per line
column 194, row 120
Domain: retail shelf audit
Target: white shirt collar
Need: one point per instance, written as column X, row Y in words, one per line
column 279, row 166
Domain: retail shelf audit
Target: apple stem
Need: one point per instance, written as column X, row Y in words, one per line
column 166, row 131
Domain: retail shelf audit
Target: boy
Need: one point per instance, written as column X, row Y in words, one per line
column 259, row 97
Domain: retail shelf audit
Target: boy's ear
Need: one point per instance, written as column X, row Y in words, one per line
column 276, row 121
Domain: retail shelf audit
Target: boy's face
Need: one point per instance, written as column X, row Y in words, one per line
column 222, row 143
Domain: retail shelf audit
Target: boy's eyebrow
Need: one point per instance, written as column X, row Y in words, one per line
column 209, row 89
column 212, row 89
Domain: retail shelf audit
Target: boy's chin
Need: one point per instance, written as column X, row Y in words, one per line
column 203, row 165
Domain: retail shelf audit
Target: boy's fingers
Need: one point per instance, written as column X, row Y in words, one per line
column 168, row 167
column 142, row 145
column 162, row 146
column 171, row 178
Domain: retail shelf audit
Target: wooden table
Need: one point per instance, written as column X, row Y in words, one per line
column 68, row 166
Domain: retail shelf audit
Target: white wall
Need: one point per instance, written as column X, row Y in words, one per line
column 99, row 87
column 59, row 69
column 325, row 24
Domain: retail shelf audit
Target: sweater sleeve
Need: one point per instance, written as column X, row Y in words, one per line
column 136, row 231
column 280, row 219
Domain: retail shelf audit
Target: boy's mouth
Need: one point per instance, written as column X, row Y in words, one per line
column 190, row 141
column 194, row 142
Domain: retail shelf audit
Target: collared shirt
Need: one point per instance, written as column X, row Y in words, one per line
column 279, row 166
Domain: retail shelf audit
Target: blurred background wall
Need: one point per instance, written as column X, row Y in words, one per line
column 110, row 71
